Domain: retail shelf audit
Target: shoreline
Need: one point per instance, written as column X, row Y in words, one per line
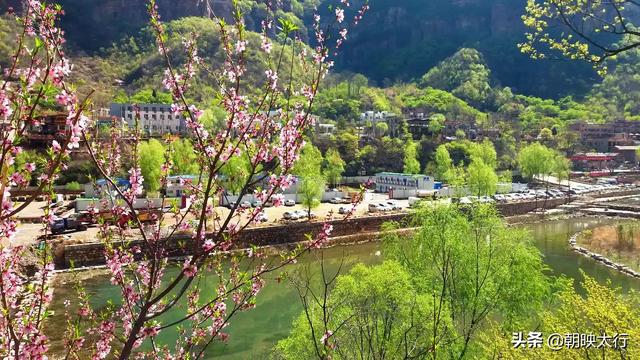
column 621, row 268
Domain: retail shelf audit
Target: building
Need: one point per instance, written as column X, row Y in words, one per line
column 604, row 137
column 102, row 188
column 376, row 117
column 594, row 161
column 387, row 181
column 177, row 185
column 628, row 153
column 325, row 129
column 47, row 127
column 155, row 119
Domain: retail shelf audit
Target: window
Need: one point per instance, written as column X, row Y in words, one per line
column 145, row 108
column 169, row 117
column 146, row 116
column 153, row 116
column 146, row 127
column 153, row 109
column 161, row 117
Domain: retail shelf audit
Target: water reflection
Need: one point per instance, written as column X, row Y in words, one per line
column 253, row 333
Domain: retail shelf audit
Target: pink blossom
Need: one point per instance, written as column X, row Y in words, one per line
column 5, row 106
column 208, row 245
column 241, row 46
column 56, row 146
column 189, row 269
column 266, row 44
column 339, row 15
column 272, row 76
column 324, row 340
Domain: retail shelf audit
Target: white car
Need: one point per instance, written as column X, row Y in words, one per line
column 303, row 214
column 261, row 217
column 289, row 202
column 336, row 200
column 393, row 205
column 291, row 215
column 346, row 209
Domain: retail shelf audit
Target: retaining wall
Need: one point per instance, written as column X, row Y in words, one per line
column 356, row 228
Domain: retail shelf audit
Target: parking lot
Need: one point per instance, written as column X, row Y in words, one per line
column 28, row 233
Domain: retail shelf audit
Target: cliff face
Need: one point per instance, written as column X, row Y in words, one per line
column 91, row 24
column 428, row 31
column 397, row 40
column 400, row 40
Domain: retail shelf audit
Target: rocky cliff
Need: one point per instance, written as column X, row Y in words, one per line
column 398, row 40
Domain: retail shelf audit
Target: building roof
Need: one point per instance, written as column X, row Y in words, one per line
column 399, row 174
column 594, row 156
column 627, row 147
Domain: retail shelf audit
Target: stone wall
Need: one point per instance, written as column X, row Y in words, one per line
column 521, row 208
column 92, row 254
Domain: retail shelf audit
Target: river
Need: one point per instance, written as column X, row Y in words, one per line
column 253, row 333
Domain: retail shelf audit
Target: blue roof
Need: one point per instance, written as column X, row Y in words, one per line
column 118, row 181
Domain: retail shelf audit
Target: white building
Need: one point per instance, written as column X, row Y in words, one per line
column 375, row 117
column 405, row 185
column 155, row 119
column 325, row 129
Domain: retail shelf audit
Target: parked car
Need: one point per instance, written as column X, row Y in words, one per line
column 245, row 204
column 256, row 204
column 393, row 205
column 465, row 200
column 336, row 200
column 291, row 215
column 346, row 209
column 261, row 217
column 289, row 202
column 72, row 222
column 374, row 208
column 306, row 214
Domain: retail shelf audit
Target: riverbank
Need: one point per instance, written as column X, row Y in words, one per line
column 352, row 230
column 253, row 333
column 616, row 246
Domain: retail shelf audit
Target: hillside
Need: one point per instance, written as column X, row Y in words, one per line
column 400, row 39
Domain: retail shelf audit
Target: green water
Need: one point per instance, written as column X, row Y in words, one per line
column 253, row 333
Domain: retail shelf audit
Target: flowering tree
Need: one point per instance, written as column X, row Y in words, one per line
column 36, row 76
column 263, row 127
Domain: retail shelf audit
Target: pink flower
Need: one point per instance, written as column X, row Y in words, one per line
column 30, row 167
column 56, row 146
column 272, row 76
column 208, row 245
column 189, row 269
column 339, row 15
column 241, row 46
column 266, row 44
column 5, row 106
column 324, row 340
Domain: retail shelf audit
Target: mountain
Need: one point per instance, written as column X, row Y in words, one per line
column 402, row 39
column 398, row 40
